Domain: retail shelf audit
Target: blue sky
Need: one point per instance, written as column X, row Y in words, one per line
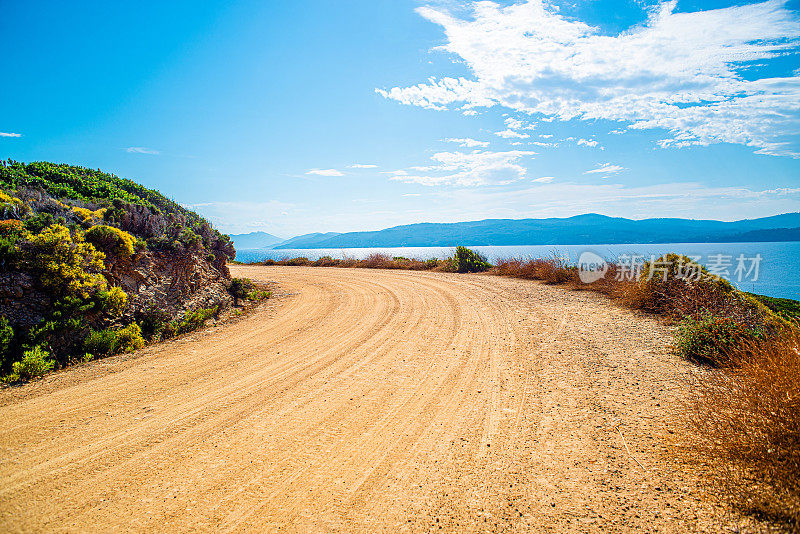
column 293, row 117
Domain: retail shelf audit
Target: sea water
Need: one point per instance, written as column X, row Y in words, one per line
column 777, row 271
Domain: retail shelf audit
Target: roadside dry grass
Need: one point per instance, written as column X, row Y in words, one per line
column 745, row 421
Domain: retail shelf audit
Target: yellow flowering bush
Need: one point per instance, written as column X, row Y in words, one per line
column 90, row 216
column 66, row 263
column 111, row 239
column 11, row 206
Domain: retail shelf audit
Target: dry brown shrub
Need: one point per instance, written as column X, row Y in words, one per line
column 745, row 422
column 442, row 266
column 326, row 261
column 554, row 270
column 348, row 261
column 509, row 267
column 295, row 262
column 375, row 261
column 416, row 265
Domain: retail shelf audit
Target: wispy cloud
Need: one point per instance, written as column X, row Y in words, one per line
column 142, row 150
column 480, row 167
column 467, row 142
column 544, row 179
column 679, row 71
column 588, row 142
column 606, row 168
column 325, row 172
column 509, row 133
column 10, row 134
column 361, row 166
column 539, row 143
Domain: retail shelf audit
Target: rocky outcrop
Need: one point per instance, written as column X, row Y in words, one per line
column 22, row 303
column 173, row 282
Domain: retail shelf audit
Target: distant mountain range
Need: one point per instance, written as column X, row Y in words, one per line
column 256, row 240
column 590, row 229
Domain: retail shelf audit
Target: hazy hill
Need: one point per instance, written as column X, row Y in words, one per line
column 308, row 240
column 255, row 240
column 579, row 230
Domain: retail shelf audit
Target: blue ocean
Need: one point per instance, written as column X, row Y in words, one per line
column 773, row 275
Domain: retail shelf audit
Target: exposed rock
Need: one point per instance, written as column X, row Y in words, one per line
column 174, row 282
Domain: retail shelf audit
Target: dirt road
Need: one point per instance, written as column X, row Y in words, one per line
column 364, row 400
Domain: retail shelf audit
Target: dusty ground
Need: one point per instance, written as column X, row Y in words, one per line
column 365, row 400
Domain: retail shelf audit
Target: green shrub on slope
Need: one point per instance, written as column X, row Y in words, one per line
column 468, row 261
column 34, row 362
column 108, row 342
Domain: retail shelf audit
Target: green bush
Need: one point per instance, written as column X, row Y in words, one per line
column 786, row 308
column 111, row 300
column 469, row 261
column 153, row 322
column 35, row 362
column 111, row 240
column 712, row 339
column 130, row 338
column 9, row 250
column 6, row 343
column 240, row 288
column 189, row 239
column 107, row 342
column 39, row 222
column 190, row 322
column 259, row 294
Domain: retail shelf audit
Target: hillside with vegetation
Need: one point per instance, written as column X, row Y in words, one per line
column 92, row 264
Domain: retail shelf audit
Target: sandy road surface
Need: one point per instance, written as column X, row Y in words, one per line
column 363, row 401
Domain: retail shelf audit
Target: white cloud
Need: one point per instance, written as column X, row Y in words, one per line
column 618, row 131
column 362, row 166
column 680, row 72
column 541, row 143
column 546, row 136
column 9, row 134
column 508, row 134
column 325, row 172
column 142, row 150
column 468, row 169
column 606, row 168
column 518, row 124
column 412, row 194
column 588, row 142
column 467, row 142
column 544, row 179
